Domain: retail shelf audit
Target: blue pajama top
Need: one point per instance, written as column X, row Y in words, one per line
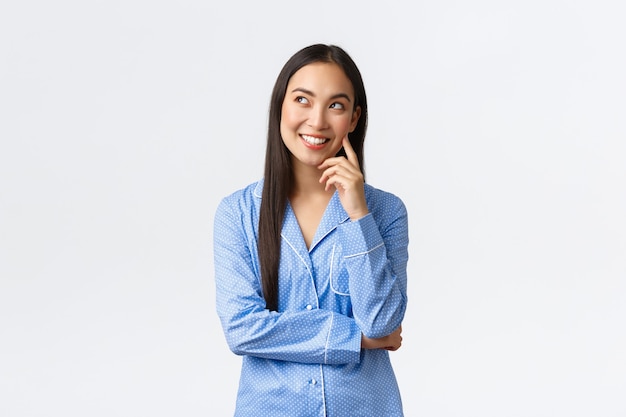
column 306, row 358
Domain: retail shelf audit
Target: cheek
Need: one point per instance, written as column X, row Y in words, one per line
column 289, row 123
column 290, row 116
column 342, row 125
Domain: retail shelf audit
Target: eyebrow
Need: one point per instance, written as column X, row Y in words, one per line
column 309, row 92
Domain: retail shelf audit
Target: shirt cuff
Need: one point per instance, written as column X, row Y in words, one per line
column 360, row 236
column 344, row 341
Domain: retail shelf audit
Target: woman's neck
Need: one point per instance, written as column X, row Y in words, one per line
column 306, row 183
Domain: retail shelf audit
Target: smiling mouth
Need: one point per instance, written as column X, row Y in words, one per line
column 314, row 140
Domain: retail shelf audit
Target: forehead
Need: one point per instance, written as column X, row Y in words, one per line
column 321, row 78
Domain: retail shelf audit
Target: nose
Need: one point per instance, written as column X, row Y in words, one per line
column 317, row 118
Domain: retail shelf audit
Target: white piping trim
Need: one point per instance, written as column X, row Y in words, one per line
column 317, row 301
column 364, row 253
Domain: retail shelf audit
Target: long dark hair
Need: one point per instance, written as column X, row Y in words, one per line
column 278, row 177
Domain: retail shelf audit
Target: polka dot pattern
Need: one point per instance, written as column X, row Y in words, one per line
column 306, row 359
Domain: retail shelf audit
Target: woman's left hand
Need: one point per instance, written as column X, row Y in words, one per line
column 346, row 176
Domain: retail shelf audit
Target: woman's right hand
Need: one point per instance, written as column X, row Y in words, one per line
column 390, row 342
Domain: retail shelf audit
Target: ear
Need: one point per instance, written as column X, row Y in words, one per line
column 356, row 114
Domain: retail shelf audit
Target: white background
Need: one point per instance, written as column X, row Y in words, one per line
column 501, row 125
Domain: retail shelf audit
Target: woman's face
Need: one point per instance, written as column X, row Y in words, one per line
column 317, row 113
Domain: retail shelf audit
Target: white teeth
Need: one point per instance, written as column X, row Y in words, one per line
column 312, row 140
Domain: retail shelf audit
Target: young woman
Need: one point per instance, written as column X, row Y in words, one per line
column 310, row 261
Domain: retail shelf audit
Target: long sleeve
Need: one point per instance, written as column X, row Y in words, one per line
column 307, row 335
column 376, row 255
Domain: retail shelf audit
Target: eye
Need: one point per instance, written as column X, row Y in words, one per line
column 302, row 100
column 338, row 106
